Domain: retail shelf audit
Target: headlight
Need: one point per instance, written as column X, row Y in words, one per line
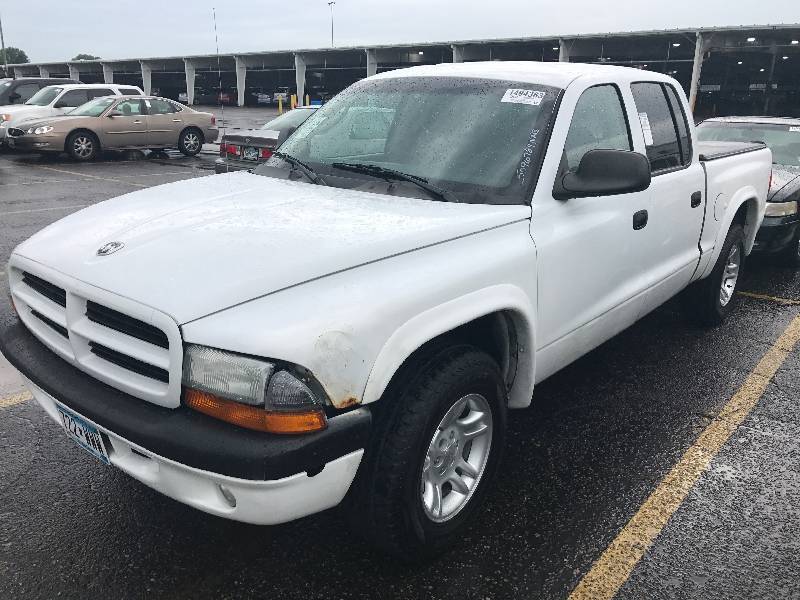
column 40, row 130
column 248, row 392
column 781, row 209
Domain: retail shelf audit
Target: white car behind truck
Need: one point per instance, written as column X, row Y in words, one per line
column 353, row 320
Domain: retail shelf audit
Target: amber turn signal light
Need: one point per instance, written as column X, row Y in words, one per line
column 253, row 417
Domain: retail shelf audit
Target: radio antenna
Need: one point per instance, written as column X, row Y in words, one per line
column 219, row 82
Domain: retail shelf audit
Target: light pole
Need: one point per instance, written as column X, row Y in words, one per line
column 3, row 46
column 331, row 5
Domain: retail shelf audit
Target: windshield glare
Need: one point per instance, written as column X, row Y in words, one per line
column 293, row 118
column 481, row 140
column 93, row 108
column 44, row 96
column 783, row 140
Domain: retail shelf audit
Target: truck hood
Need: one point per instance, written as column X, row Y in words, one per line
column 198, row 246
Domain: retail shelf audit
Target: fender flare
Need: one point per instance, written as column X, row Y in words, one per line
column 428, row 325
column 754, row 216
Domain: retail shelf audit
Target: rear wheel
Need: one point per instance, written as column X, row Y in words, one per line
column 437, row 448
column 190, row 141
column 83, row 146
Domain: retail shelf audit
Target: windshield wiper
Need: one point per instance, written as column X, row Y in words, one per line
column 391, row 174
column 302, row 167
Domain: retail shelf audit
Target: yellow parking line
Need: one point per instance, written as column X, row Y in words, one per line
column 617, row 562
column 34, row 210
column 15, row 399
column 77, row 174
column 775, row 299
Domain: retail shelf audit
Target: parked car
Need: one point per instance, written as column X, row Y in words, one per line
column 112, row 123
column 358, row 315
column 229, row 97
column 183, row 98
column 19, row 91
column 245, row 149
column 779, row 235
column 283, row 94
column 205, row 97
column 57, row 100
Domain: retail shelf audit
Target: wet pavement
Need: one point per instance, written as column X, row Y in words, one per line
column 580, row 462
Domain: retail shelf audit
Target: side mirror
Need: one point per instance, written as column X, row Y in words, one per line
column 605, row 173
column 114, row 113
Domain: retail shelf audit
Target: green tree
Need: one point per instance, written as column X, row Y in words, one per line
column 13, row 56
column 85, row 57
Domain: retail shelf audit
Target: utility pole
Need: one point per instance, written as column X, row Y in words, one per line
column 331, row 5
column 3, row 46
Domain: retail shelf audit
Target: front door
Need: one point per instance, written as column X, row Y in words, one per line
column 125, row 126
column 589, row 276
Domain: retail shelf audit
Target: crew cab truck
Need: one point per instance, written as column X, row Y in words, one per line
column 352, row 321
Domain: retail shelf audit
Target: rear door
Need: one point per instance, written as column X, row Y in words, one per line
column 164, row 122
column 125, row 125
column 676, row 192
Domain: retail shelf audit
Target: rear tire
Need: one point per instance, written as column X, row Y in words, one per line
column 83, row 146
column 710, row 300
column 436, row 449
column 190, row 142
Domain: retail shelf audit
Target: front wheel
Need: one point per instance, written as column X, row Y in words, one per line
column 83, row 146
column 437, row 448
column 190, row 142
column 710, row 300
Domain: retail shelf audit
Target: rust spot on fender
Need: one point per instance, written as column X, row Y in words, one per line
column 347, row 402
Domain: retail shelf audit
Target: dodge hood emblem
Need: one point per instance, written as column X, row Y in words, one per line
column 109, row 248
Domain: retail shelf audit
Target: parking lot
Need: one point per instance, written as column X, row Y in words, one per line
column 600, row 461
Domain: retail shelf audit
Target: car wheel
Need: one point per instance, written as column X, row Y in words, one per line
column 83, row 146
column 710, row 300
column 190, row 142
column 437, row 448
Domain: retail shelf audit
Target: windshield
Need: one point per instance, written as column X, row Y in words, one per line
column 478, row 140
column 293, row 118
column 93, row 108
column 44, row 96
column 783, row 140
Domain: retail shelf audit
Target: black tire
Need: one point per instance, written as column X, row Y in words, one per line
column 82, row 146
column 703, row 300
column 190, row 141
column 387, row 506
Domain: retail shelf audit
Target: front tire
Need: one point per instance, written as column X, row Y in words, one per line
column 83, row 146
column 190, row 142
column 710, row 300
column 437, row 448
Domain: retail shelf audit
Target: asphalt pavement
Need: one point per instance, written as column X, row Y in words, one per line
column 589, row 473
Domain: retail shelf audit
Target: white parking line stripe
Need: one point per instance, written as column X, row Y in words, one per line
column 111, row 179
column 33, row 210
column 15, row 399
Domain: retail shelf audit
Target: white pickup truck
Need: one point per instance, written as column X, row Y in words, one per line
column 350, row 322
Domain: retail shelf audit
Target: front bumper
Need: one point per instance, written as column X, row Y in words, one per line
column 187, row 455
column 777, row 234
column 36, row 143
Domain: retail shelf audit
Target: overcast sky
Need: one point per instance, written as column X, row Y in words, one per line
column 49, row 30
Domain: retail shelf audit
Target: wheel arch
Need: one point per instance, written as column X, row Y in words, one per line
column 498, row 320
column 743, row 209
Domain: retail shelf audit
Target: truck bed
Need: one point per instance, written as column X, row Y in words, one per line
column 709, row 151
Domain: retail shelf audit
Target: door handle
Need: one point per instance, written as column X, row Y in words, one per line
column 697, row 198
column 137, row 121
column 639, row 220
column 177, row 121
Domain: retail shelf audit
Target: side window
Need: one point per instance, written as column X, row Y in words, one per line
column 599, row 123
column 658, row 126
column 683, row 125
column 129, row 91
column 160, row 107
column 129, row 108
column 98, row 93
column 25, row 91
column 72, row 99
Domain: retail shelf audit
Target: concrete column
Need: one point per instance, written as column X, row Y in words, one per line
column 190, row 75
column 147, row 77
column 372, row 62
column 74, row 73
column 700, row 48
column 108, row 73
column 300, row 76
column 241, row 79
column 44, row 72
column 563, row 50
column 458, row 53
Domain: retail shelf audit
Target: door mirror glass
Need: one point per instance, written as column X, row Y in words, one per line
column 606, row 173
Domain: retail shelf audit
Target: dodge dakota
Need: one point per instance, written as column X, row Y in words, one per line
column 352, row 322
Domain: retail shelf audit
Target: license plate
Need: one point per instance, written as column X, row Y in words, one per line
column 85, row 435
column 250, row 153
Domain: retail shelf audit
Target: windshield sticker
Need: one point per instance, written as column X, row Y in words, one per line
column 531, row 97
column 794, row 129
column 527, row 156
column 646, row 129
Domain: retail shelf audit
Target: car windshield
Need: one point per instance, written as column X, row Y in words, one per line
column 783, row 140
column 44, row 96
column 480, row 141
column 93, row 108
column 293, row 118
